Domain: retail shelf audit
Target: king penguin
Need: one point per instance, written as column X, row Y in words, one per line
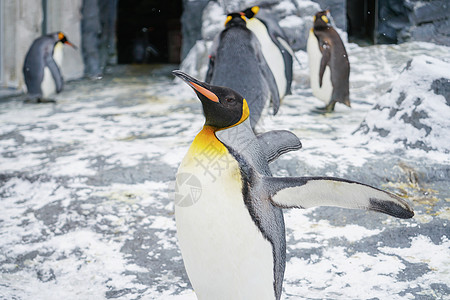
column 41, row 68
column 275, row 48
column 236, row 61
column 231, row 234
column 329, row 67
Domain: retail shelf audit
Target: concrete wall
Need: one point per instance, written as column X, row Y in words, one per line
column 21, row 23
column 65, row 16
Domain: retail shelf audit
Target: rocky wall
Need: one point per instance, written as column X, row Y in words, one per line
column 414, row 20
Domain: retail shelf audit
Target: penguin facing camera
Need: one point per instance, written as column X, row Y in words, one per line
column 41, row 68
column 232, row 235
column 329, row 68
column 275, row 48
column 236, row 61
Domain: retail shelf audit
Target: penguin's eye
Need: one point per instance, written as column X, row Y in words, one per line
column 229, row 100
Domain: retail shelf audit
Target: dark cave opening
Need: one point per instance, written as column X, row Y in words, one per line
column 362, row 21
column 148, row 31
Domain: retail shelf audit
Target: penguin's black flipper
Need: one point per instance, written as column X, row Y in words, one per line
column 305, row 192
column 288, row 57
column 51, row 64
column 273, row 87
column 277, row 142
column 212, row 58
column 210, row 71
column 326, row 54
column 268, row 75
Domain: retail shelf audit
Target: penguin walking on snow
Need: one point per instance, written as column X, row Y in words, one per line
column 41, row 67
column 275, row 48
column 231, row 232
column 329, row 67
column 238, row 63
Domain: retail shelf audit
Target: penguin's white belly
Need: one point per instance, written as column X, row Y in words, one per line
column 325, row 91
column 48, row 85
column 272, row 54
column 225, row 254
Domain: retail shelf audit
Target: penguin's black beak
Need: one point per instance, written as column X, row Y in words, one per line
column 64, row 40
column 198, row 86
column 70, row 44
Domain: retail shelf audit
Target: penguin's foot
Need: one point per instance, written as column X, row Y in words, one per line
column 325, row 109
column 47, row 101
column 330, row 107
column 39, row 100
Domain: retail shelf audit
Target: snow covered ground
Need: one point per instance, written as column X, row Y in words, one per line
column 86, row 190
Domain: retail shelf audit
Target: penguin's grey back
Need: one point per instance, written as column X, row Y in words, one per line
column 236, row 66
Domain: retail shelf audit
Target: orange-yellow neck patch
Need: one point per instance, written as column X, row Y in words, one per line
column 206, row 143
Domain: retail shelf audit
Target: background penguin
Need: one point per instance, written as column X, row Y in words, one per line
column 41, row 67
column 275, row 48
column 232, row 238
column 329, row 67
column 238, row 63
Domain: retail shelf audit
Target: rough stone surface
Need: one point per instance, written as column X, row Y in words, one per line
column 90, row 29
column 415, row 107
column 191, row 20
column 414, row 20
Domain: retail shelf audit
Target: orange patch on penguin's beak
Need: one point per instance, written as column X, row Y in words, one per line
column 207, row 93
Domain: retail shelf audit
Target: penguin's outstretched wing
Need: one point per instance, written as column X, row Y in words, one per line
column 305, row 192
column 326, row 54
column 51, row 64
column 277, row 142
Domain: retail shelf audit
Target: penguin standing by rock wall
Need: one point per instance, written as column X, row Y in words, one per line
column 238, row 63
column 41, row 67
column 329, row 67
column 275, row 48
column 228, row 213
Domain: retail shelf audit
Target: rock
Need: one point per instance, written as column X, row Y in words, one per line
column 414, row 113
column 196, row 62
column 307, row 8
column 400, row 21
column 213, row 18
column 192, row 24
column 297, row 31
column 427, row 11
column 338, row 11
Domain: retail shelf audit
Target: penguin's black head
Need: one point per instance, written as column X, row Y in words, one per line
column 235, row 19
column 63, row 39
column 321, row 19
column 222, row 106
column 251, row 12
